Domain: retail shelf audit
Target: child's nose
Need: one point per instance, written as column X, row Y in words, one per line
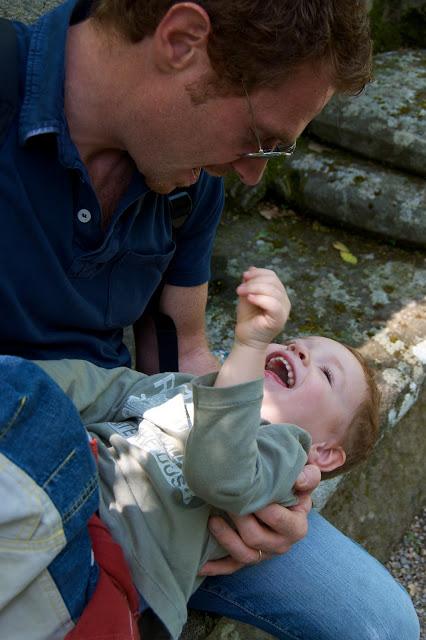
column 301, row 351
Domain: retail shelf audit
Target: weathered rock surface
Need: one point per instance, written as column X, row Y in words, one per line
column 25, row 10
column 337, row 185
column 387, row 122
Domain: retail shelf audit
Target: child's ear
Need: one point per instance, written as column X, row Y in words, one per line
column 326, row 456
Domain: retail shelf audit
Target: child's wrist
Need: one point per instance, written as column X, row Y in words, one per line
column 251, row 345
column 246, row 362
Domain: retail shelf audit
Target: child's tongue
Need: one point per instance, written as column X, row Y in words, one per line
column 278, row 370
column 278, row 375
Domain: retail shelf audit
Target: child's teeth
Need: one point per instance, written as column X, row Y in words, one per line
column 290, row 374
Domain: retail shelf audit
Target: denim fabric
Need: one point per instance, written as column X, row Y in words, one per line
column 325, row 588
column 52, row 492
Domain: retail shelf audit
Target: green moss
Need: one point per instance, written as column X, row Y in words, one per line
column 413, row 28
column 339, row 307
column 385, row 34
column 310, row 327
column 391, row 28
column 404, row 110
column 359, row 179
column 387, row 288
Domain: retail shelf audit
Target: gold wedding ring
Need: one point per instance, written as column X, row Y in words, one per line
column 260, row 555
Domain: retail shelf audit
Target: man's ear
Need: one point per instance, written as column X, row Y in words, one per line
column 326, row 456
column 182, row 33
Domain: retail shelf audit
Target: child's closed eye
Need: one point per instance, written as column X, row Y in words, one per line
column 328, row 374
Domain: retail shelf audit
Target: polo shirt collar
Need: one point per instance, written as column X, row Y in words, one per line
column 42, row 109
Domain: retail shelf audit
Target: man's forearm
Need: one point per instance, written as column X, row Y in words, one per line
column 197, row 360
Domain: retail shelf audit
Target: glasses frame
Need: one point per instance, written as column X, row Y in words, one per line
column 261, row 153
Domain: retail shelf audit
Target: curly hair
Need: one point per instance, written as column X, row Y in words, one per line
column 261, row 42
column 363, row 431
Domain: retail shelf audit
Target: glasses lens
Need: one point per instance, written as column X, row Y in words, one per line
column 280, row 151
column 285, row 149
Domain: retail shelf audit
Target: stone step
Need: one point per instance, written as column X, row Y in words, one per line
column 336, row 185
column 377, row 304
column 387, row 122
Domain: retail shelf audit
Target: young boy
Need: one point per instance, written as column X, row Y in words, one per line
column 173, row 448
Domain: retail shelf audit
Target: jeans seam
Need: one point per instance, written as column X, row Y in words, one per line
column 15, row 416
column 84, row 496
column 57, row 470
column 252, row 613
column 33, row 544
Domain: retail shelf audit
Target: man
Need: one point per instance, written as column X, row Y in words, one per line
column 122, row 104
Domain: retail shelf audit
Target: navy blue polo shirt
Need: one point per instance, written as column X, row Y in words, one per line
column 68, row 287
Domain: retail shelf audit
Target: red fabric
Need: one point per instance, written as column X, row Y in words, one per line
column 112, row 612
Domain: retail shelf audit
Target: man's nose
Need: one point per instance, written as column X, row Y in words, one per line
column 301, row 351
column 250, row 170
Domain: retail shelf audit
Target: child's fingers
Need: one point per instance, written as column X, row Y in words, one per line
column 259, row 286
column 270, row 306
column 258, row 272
column 262, row 276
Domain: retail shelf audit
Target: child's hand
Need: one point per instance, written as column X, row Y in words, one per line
column 263, row 307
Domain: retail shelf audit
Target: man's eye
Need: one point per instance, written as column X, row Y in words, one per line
column 328, row 374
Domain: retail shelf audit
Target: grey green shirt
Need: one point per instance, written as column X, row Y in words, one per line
column 172, row 448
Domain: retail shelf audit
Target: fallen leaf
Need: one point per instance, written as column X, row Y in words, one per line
column 316, row 226
column 340, row 247
column 318, row 148
column 348, row 257
column 271, row 212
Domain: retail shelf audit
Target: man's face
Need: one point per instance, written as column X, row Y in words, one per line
column 184, row 136
column 315, row 383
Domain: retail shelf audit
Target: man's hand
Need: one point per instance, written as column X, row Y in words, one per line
column 272, row 530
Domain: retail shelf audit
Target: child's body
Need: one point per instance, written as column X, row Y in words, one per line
column 173, row 447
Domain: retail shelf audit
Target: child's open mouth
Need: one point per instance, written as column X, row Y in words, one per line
column 281, row 369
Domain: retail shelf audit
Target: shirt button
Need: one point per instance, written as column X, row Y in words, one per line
column 84, row 215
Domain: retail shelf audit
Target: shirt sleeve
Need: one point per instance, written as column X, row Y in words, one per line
column 190, row 265
column 231, row 461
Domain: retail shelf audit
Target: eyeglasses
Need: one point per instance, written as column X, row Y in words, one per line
column 279, row 151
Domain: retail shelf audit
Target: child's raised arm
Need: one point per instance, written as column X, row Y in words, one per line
column 263, row 309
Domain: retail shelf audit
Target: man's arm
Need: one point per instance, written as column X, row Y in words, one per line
column 186, row 307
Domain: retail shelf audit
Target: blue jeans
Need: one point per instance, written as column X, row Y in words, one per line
column 48, row 492
column 325, row 588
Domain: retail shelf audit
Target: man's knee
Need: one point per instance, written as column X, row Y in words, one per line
column 381, row 619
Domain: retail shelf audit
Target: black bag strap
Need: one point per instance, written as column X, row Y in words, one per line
column 9, row 75
column 168, row 354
